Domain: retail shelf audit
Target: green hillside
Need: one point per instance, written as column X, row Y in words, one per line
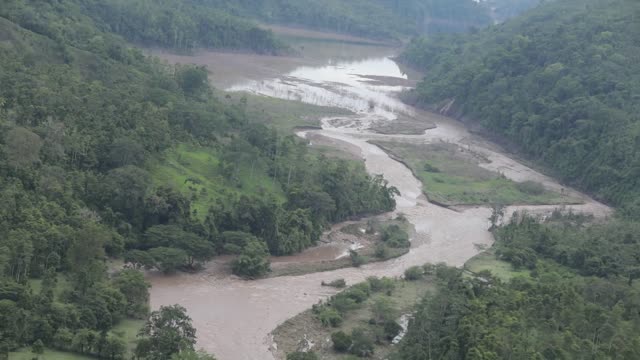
column 107, row 155
column 562, row 82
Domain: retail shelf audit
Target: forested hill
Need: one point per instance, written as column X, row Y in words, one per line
column 180, row 25
column 384, row 19
column 562, row 82
column 106, row 154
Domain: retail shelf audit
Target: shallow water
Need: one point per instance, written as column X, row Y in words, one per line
column 234, row 317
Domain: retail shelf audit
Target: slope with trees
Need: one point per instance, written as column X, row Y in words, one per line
column 84, row 117
column 383, row 19
column 561, row 82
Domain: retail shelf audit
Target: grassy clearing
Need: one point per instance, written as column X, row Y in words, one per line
column 488, row 261
column 128, row 329
column 284, row 115
column 195, row 172
column 297, row 332
column 453, row 176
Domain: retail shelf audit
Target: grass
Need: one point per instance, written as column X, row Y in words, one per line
column 195, row 172
column 128, row 329
column 284, row 115
column 488, row 261
column 453, row 176
column 305, row 325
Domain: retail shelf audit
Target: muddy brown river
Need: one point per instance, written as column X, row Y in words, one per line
column 234, row 317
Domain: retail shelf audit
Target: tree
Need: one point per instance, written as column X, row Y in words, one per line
column 135, row 288
column 22, row 147
column 126, row 151
column 169, row 260
column 362, row 343
column 167, row 332
column 192, row 79
column 383, row 309
column 253, row 261
column 37, row 347
column 341, row 341
column 197, row 249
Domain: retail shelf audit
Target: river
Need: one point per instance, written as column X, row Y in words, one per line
column 234, row 317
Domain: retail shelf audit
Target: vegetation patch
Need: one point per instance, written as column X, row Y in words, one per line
column 284, row 115
column 380, row 241
column 452, row 175
column 200, row 175
column 361, row 320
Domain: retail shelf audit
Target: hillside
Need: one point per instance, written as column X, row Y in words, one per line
column 383, row 19
column 181, row 25
column 109, row 156
column 562, row 82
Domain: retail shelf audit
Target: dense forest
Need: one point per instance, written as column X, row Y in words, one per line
column 180, row 25
column 84, row 117
column 383, row 19
column 576, row 301
column 562, row 82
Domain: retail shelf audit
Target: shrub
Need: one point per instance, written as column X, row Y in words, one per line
column 381, row 284
column 396, row 237
column 413, row 273
column 356, row 259
column 391, row 329
column 341, row 341
column 361, row 343
column 299, row 355
column 338, row 284
column 430, row 168
column 530, row 187
column 380, row 251
column 329, row 316
column 254, row 261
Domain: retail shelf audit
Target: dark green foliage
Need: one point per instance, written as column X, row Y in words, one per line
column 341, row 341
column 384, row 285
column 357, row 260
column 370, row 18
column 395, row 236
column 253, row 260
column 302, row 356
column 135, row 289
column 169, row 260
column 561, row 83
column 391, row 329
column 414, row 273
column 329, row 316
column 604, row 250
column 361, row 343
column 167, row 332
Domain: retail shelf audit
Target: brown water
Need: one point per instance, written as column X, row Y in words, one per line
column 234, row 317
